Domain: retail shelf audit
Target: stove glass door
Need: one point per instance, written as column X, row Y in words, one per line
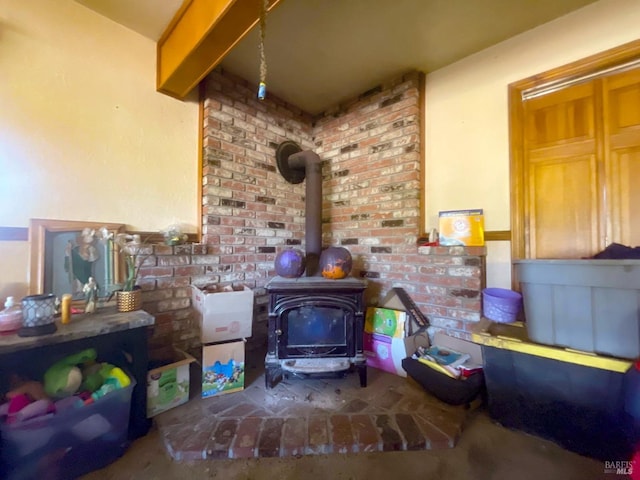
column 316, row 331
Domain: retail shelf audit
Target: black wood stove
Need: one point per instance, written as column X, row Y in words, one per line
column 315, row 328
column 315, row 324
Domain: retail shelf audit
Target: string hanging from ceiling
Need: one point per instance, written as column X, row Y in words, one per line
column 262, row 87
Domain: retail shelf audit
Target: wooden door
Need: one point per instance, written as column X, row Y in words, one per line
column 563, row 174
column 621, row 102
column 575, row 157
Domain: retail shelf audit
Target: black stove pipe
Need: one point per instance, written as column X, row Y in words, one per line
column 312, row 165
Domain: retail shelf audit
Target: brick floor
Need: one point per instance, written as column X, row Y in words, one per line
column 310, row 416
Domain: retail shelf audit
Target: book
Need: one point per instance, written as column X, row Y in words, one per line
column 444, row 356
column 445, row 369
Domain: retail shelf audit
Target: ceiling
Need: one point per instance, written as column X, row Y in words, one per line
column 322, row 52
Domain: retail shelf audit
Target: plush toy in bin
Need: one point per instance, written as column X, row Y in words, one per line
column 72, row 382
column 64, row 377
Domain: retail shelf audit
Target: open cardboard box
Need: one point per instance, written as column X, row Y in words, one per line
column 168, row 385
column 455, row 391
column 224, row 313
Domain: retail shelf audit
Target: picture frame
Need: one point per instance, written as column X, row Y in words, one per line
column 62, row 259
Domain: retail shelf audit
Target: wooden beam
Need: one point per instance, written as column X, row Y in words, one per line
column 199, row 37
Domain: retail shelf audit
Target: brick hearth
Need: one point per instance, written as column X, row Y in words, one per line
column 310, row 416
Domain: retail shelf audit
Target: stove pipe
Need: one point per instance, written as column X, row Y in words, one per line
column 311, row 163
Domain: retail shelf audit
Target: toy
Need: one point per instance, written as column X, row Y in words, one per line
column 33, row 389
column 32, row 410
column 94, row 375
column 117, row 379
column 16, row 404
column 64, row 378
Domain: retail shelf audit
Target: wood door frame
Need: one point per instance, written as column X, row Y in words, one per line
column 556, row 77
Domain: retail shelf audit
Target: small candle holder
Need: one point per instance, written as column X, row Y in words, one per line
column 38, row 315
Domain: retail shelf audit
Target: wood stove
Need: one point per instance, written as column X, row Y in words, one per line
column 315, row 324
column 315, row 328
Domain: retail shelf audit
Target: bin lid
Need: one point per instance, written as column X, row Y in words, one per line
column 513, row 336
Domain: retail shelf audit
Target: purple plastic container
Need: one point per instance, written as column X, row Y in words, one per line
column 501, row 305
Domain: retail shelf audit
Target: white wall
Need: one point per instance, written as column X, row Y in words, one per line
column 83, row 133
column 467, row 144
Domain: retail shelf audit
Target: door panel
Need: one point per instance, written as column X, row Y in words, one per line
column 560, row 204
column 562, row 174
column 560, row 117
column 624, row 200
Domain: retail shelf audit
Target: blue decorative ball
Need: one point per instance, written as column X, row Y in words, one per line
column 290, row 263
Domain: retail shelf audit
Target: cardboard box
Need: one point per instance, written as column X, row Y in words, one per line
column 224, row 313
column 461, row 228
column 385, row 321
column 398, row 299
column 168, row 386
column 416, row 324
column 222, row 368
column 384, row 353
column 460, row 345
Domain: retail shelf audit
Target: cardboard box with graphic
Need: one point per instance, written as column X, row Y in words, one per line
column 385, row 321
column 224, row 313
column 416, row 324
column 384, row 352
column 222, row 368
column 168, row 385
column 461, row 228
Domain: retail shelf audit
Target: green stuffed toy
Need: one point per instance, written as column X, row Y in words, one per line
column 64, row 378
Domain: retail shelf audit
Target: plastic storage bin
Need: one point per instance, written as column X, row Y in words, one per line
column 575, row 399
column 590, row 305
column 69, row 444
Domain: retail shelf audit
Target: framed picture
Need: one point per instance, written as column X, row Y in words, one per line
column 65, row 253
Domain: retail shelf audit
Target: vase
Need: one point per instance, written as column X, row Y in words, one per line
column 129, row 301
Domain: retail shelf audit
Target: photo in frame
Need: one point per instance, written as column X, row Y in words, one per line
column 65, row 253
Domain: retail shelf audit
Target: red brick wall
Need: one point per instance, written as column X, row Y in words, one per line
column 165, row 277
column 370, row 149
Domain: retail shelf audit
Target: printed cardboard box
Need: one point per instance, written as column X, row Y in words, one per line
column 384, row 353
column 224, row 313
column 222, row 368
column 461, row 228
column 168, row 386
column 416, row 324
column 385, row 321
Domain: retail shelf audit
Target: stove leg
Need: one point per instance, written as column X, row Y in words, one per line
column 362, row 371
column 272, row 375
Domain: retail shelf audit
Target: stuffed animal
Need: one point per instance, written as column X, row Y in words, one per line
column 64, row 378
column 34, row 389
